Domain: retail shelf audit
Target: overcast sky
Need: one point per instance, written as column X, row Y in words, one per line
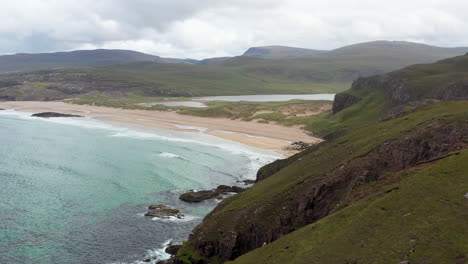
column 210, row 28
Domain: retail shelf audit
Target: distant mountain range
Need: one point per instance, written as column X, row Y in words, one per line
column 397, row 53
column 261, row 70
column 78, row 58
column 281, row 52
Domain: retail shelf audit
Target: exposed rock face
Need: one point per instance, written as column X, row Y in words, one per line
column 195, row 197
column 247, row 182
column 7, row 98
column 343, row 101
column 228, row 189
column 172, row 249
column 315, row 198
column 53, row 114
column 457, row 91
column 397, row 91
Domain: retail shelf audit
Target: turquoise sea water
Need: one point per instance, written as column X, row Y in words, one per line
column 75, row 190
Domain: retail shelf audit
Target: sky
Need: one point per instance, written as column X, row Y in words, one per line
column 213, row 28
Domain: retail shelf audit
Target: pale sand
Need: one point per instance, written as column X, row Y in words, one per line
column 265, row 136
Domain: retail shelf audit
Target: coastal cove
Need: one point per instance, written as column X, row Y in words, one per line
column 76, row 189
column 260, row 135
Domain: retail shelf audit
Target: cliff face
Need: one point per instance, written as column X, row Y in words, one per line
column 421, row 82
column 323, row 180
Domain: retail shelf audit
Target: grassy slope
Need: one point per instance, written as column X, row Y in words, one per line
column 282, row 112
column 423, row 221
column 158, row 79
column 331, row 154
column 274, row 190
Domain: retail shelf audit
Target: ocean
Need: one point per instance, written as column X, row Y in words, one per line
column 74, row 190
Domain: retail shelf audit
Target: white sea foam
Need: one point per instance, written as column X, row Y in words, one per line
column 172, row 219
column 256, row 156
column 168, row 155
column 154, row 254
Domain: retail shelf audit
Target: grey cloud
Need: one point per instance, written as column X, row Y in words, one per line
column 194, row 28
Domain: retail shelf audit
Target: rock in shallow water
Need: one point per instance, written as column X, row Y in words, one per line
column 163, row 211
column 53, row 114
column 173, row 249
column 228, row 189
column 194, row 197
column 247, row 182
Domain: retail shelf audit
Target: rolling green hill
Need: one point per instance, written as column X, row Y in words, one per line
column 389, row 186
column 78, row 58
column 328, row 72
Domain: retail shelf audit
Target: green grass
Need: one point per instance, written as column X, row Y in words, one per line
column 423, row 221
column 279, row 190
column 148, row 79
column 358, row 143
column 280, row 112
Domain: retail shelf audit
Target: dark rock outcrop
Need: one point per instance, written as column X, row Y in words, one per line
column 457, row 91
column 298, row 146
column 195, row 197
column 228, row 189
column 173, row 249
column 247, row 182
column 7, row 98
column 53, row 114
column 163, row 211
column 397, row 91
column 343, row 101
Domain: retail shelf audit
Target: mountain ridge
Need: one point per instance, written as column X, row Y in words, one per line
column 77, row 58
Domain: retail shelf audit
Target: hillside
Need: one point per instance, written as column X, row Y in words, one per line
column 280, row 52
column 218, row 76
column 387, row 187
column 347, row 63
column 78, row 58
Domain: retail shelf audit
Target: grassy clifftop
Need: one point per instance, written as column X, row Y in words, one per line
column 387, row 187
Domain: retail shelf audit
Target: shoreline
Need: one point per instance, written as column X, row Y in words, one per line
column 271, row 137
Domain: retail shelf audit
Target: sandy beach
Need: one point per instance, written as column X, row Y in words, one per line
column 266, row 136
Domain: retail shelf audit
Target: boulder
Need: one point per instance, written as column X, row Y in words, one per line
column 173, row 249
column 228, row 189
column 247, row 182
column 163, row 211
column 53, row 114
column 194, row 197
